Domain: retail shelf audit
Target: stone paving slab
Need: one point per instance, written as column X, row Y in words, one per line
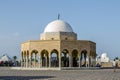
column 101, row 74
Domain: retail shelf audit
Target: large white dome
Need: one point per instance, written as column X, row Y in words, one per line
column 58, row 26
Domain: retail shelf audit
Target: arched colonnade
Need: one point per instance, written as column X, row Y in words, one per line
column 55, row 58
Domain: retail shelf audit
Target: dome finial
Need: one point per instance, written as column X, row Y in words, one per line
column 58, row 16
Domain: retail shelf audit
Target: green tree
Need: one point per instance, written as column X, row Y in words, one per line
column 116, row 58
column 15, row 58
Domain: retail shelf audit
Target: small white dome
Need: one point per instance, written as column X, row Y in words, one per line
column 104, row 55
column 58, row 26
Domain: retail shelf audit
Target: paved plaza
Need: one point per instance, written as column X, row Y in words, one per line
column 100, row 74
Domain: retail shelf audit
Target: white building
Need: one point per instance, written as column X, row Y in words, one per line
column 104, row 57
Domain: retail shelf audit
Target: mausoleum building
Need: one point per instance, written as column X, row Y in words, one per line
column 58, row 47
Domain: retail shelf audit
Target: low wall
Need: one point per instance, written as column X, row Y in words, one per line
column 62, row 68
column 22, row 68
column 106, row 64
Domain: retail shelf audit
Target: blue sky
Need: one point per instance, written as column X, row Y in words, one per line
column 95, row 20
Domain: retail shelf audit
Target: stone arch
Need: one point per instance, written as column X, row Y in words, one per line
column 54, row 58
column 45, row 58
column 83, row 58
column 65, row 58
column 75, row 58
column 34, row 58
column 92, row 61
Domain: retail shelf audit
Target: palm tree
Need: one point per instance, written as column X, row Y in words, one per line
column 15, row 58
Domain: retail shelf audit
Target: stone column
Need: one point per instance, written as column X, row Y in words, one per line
column 79, row 61
column 46, row 61
column 49, row 61
column 34, row 59
column 21, row 60
column 70, row 61
column 39, row 61
column 60, row 59
column 26, row 60
column 87, row 61
column 29, row 61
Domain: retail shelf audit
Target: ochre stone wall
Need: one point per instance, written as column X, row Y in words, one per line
column 59, row 45
column 58, row 36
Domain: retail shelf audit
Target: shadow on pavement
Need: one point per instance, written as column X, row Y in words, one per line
column 25, row 77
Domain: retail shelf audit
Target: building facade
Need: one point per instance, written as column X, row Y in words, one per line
column 58, row 47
